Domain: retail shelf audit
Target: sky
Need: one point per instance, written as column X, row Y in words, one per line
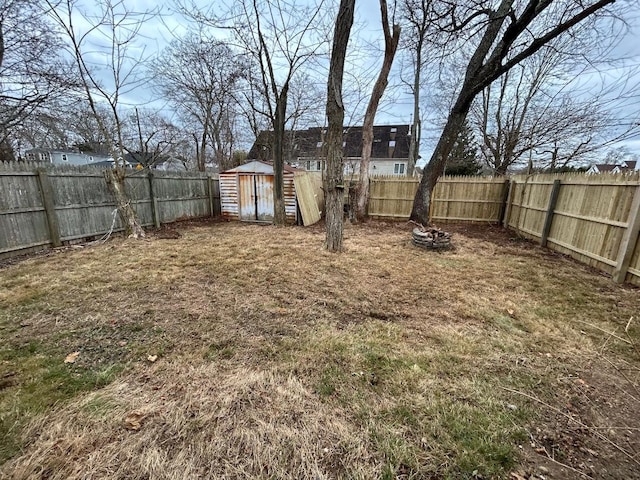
column 396, row 106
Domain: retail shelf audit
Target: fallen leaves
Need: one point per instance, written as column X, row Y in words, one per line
column 72, row 357
column 134, row 420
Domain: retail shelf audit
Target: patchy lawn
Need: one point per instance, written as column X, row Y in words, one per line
column 245, row 351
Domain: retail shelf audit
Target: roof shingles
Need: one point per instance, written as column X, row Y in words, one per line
column 390, row 141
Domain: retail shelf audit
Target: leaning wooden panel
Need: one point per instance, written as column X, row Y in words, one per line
column 307, row 201
column 633, row 274
column 315, row 178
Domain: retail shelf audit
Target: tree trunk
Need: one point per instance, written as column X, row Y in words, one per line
column 279, row 215
column 435, row 167
column 334, row 178
column 415, row 127
column 488, row 62
column 203, row 147
column 391, row 45
column 115, row 179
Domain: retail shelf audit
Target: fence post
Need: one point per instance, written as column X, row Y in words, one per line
column 49, row 207
column 629, row 240
column 548, row 220
column 154, row 201
column 504, row 206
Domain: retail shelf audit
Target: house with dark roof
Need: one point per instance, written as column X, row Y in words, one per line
column 304, row 149
column 626, row 166
column 65, row 156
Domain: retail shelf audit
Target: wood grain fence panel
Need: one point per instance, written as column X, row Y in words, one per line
column 530, row 204
column 181, row 195
column 83, row 204
column 23, row 220
column 468, row 199
column 139, row 192
column 590, row 221
column 392, row 197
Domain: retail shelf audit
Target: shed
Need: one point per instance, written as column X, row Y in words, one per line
column 246, row 193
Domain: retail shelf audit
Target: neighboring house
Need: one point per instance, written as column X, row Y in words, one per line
column 110, row 163
column 170, row 164
column 626, row 166
column 305, row 149
column 65, row 157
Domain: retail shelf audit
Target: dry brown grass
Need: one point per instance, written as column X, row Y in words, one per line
column 280, row 360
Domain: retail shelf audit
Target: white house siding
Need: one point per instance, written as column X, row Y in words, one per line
column 377, row 166
column 388, row 167
column 62, row 157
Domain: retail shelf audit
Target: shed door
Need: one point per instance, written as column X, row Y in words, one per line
column 247, row 197
column 264, row 198
column 256, row 198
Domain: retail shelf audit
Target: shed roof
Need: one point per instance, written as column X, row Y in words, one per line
column 259, row 166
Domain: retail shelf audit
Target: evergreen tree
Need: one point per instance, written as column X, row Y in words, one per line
column 463, row 159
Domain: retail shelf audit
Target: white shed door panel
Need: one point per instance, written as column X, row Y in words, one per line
column 247, row 198
column 264, row 196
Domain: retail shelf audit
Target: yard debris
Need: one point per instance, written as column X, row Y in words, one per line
column 71, row 358
column 134, row 420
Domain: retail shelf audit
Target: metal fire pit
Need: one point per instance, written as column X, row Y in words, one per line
column 431, row 238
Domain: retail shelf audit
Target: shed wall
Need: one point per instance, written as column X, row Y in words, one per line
column 237, row 207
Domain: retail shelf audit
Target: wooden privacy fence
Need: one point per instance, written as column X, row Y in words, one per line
column 464, row 199
column 593, row 218
column 391, row 197
column 42, row 207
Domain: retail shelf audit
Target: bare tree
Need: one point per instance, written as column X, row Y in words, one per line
column 334, row 182
column 390, row 46
column 198, row 75
column 114, row 22
column 280, row 37
column 152, row 139
column 539, row 110
column 32, row 73
column 418, row 18
column 507, row 35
